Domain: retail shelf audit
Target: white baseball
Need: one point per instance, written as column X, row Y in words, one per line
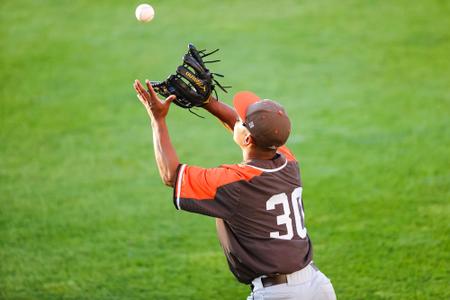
column 145, row 13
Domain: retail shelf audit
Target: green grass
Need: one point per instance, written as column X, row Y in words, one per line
column 83, row 213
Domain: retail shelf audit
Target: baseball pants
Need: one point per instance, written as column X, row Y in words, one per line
column 307, row 284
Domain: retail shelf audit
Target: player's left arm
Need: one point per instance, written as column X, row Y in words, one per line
column 225, row 113
column 165, row 154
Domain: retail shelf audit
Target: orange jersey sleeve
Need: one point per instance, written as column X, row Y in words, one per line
column 210, row 191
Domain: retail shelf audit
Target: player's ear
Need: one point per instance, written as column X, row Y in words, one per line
column 248, row 139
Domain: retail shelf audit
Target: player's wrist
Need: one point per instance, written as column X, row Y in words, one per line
column 157, row 121
column 210, row 103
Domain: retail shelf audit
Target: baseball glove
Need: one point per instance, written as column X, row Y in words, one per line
column 192, row 83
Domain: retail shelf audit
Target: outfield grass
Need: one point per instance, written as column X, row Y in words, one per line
column 83, row 213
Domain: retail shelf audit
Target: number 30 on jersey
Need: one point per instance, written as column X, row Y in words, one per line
column 285, row 218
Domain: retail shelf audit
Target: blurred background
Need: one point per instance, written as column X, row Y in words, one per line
column 83, row 212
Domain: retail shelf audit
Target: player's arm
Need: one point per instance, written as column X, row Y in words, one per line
column 225, row 113
column 165, row 154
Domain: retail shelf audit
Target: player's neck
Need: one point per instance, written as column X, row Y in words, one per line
column 255, row 153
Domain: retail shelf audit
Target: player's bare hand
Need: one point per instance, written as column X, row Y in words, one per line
column 156, row 108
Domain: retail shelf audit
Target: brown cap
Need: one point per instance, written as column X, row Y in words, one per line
column 266, row 120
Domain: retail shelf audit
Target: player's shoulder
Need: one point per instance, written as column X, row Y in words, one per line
column 221, row 175
column 239, row 171
column 287, row 153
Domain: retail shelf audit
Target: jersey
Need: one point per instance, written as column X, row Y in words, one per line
column 259, row 210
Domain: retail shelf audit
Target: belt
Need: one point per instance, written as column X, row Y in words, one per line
column 274, row 280
column 297, row 277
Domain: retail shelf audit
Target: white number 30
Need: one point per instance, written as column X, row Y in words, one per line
column 285, row 218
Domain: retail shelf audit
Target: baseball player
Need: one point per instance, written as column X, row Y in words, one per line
column 257, row 203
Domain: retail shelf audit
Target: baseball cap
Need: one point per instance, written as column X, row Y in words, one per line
column 266, row 120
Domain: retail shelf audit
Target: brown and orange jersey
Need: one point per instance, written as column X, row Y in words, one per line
column 259, row 211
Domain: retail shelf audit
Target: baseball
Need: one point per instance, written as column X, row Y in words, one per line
column 145, row 13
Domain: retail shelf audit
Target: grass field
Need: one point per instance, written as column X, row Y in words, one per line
column 83, row 213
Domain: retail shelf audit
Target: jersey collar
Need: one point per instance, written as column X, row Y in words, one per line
column 269, row 165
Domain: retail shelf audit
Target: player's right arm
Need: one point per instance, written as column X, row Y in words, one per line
column 165, row 154
column 225, row 113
